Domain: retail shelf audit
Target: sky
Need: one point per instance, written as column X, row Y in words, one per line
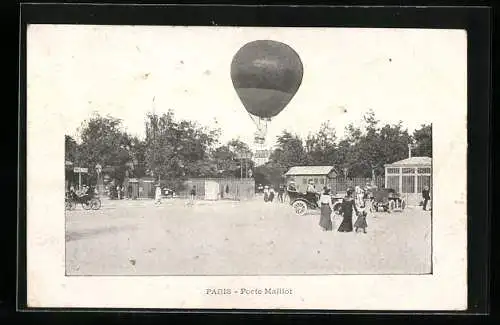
column 401, row 74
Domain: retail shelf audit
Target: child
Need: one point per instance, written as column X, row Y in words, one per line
column 361, row 221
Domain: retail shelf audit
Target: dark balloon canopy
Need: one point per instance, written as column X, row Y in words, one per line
column 266, row 75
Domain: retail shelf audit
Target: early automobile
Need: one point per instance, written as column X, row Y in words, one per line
column 168, row 192
column 303, row 202
column 387, row 199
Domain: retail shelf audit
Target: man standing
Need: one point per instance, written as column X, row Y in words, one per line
column 266, row 193
column 426, row 196
column 192, row 195
column 281, row 191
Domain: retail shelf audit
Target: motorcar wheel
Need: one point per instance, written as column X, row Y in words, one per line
column 300, row 207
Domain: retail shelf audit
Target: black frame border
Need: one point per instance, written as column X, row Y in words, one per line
column 476, row 20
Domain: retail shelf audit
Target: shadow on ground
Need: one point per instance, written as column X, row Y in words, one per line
column 72, row 236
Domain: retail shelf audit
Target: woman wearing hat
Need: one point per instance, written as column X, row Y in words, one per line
column 348, row 205
column 325, row 222
column 311, row 193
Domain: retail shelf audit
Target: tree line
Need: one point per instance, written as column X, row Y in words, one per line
column 172, row 150
column 175, row 149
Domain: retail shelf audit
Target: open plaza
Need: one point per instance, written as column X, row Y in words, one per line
column 137, row 237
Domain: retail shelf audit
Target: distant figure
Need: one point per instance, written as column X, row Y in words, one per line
column 325, row 222
column 426, row 196
column 118, row 192
column 72, row 193
column 271, row 194
column 310, row 187
column 266, row 193
column 348, row 205
column 281, row 191
column 192, row 195
column 311, row 193
column 292, row 187
column 359, row 196
column 85, row 193
column 368, row 197
column 158, row 195
column 361, row 221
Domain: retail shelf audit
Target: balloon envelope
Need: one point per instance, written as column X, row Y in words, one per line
column 266, row 75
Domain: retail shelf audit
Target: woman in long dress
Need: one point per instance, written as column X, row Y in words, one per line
column 359, row 196
column 158, row 195
column 325, row 222
column 348, row 205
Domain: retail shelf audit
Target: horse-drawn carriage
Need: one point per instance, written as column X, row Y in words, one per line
column 302, row 202
column 387, row 199
column 88, row 201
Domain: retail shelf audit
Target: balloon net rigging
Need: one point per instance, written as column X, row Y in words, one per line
column 261, row 124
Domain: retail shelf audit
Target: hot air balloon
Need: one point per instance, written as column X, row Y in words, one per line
column 266, row 75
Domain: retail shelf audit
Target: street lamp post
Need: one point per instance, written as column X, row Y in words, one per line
column 410, row 147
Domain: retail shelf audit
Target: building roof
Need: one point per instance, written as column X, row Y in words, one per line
column 413, row 161
column 310, row 170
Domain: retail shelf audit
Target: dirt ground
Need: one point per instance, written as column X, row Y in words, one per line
column 239, row 238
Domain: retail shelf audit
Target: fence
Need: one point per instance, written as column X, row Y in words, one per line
column 227, row 188
column 341, row 184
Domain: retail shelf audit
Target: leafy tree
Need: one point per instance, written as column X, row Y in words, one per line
column 226, row 158
column 70, row 149
column 423, row 141
column 344, row 157
column 138, row 154
column 394, row 144
column 347, row 154
column 176, row 150
column 364, row 154
column 290, row 151
column 104, row 142
column 270, row 173
column 368, row 153
column 321, row 147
